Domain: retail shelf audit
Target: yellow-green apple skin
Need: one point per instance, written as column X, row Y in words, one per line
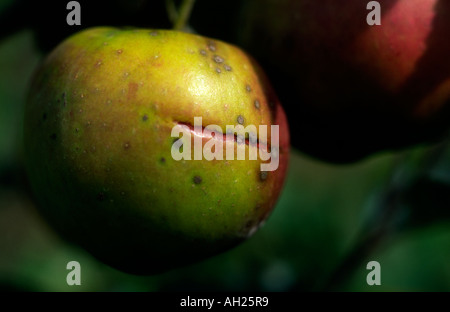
column 98, row 142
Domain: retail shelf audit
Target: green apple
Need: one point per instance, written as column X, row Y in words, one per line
column 98, row 125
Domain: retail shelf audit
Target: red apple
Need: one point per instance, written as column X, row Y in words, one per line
column 351, row 89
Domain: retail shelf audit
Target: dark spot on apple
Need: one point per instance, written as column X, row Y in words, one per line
column 101, row 196
column 153, row 33
column 144, row 118
column 218, row 59
column 240, row 119
column 126, row 145
column 77, row 130
column 197, row 180
column 227, row 67
column 44, row 116
column 163, row 160
column 53, row 136
column 248, row 88
column 257, row 104
column 211, row 45
column 218, row 70
column 263, row 175
column 119, row 51
column 203, row 52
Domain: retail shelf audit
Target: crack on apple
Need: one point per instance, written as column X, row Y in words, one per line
column 224, row 137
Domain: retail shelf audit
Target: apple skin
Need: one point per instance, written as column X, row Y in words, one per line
column 351, row 89
column 98, row 144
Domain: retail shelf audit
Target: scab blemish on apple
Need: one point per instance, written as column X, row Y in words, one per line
column 227, row 67
column 257, row 104
column 240, row 119
column 218, row 59
column 211, row 45
column 263, row 175
column 197, row 179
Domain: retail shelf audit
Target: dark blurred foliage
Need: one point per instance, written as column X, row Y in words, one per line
column 47, row 19
column 329, row 222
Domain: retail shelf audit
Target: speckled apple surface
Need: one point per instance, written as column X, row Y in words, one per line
column 98, row 144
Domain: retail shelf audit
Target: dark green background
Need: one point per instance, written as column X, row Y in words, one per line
column 316, row 222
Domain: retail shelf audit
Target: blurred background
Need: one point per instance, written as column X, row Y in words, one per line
column 330, row 221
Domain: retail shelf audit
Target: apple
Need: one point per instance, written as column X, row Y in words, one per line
column 351, row 89
column 98, row 142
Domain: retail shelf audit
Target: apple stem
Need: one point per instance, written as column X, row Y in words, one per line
column 180, row 18
column 171, row 11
